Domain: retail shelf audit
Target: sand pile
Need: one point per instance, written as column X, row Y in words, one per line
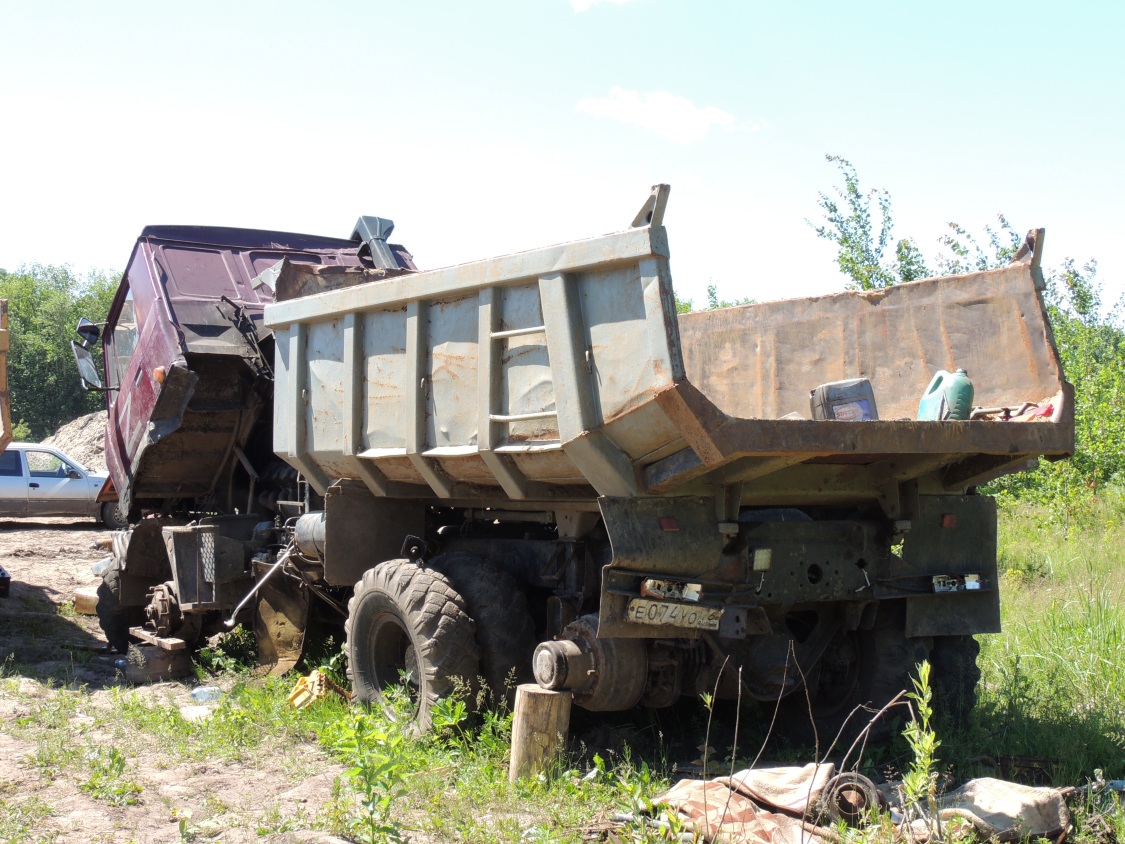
column 83, row 439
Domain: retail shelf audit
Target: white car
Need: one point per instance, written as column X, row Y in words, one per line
column 40, row 480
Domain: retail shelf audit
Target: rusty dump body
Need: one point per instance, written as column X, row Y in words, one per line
column 565, row 375
column 643, row 494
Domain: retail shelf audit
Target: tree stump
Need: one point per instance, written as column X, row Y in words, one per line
column 541, row 717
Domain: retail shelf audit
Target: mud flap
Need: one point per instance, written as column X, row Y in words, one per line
column 281, row 619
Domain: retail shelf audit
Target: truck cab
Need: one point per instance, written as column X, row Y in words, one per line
column 187, row 363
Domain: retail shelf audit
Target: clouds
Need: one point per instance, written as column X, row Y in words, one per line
column 667, row 115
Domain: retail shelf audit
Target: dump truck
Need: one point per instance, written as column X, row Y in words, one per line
column 532, row 466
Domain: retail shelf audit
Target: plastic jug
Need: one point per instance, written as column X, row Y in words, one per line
column 949, row 396
column 847, row 401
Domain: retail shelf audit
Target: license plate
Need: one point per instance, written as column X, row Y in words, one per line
column 644, row 611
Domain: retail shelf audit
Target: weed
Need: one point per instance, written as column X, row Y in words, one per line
column 919, row 783
column 188, row 831
column 21, row 818
column 376, row 748
column 326, row 654
column 273, row 822
column 235, row 652
column 106, row 780
column 448, row 719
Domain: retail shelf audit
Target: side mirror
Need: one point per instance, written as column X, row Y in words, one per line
column 87, row 370
column 88, row 331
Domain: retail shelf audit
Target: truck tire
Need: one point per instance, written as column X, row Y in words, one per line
column 114, row 619
column 870, row 667
column 954, row 678
column 112, row 516
column 408, row 620
column 505, row 630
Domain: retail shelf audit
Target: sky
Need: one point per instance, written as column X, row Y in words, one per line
column 491, row 127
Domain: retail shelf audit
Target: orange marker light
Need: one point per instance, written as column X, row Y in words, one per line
column 158, row 375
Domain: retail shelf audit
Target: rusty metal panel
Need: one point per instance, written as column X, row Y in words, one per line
column 548, row 465
column 451, row 376
column 565, row 370
column 459, row 371
column 384, row 352
column 527, row 386
column 761, row 361
column 326, row 384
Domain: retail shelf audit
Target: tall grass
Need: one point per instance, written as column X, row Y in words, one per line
column 1053, row 683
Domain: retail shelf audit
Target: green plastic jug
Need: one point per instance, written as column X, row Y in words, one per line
column 949, row 396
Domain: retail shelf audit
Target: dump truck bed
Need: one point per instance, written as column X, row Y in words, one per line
column 564, row 374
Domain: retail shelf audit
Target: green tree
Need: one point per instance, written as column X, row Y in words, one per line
column 862, row 235
column 686, row 306
column 44, row 305
column 1091, row 346
column 1091, row 341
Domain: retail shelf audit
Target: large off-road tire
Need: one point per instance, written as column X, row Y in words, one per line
column 954, row 677
column 113, row 517
column 505, row 629
column 406, row 621
column 864, row 669
column 114, row 619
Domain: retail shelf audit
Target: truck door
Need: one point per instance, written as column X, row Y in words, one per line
column 131, row 403
column 13, row 484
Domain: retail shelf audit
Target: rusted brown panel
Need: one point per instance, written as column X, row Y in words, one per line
column 470, row 468
column 548, row 466
column 400, row 469
column 761, row 361
column 756, row 436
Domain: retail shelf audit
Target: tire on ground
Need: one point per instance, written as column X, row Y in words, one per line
column 505, row 629
column 114, row 619
column 954, row 678
column 405, row 619
column 113, row 517
column 883, row 662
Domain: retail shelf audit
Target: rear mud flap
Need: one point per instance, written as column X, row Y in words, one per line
column 281, row 619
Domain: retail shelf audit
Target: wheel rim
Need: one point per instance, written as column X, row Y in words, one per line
column 394, row 659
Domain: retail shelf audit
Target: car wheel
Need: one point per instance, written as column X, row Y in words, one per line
column 112, row 516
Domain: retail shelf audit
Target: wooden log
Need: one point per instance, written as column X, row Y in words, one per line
column 152, row 664
column 542, row 717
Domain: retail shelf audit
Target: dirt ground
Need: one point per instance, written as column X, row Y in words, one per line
column 48, row 651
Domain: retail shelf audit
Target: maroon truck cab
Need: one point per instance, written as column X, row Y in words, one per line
column 188, row 362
